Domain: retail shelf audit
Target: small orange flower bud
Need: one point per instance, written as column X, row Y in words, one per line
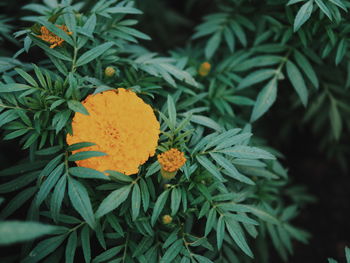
column 167, row 219
column 109, row 72
column 171, row 161
column 204, row 69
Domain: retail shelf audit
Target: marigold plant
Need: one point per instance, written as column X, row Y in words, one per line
column 159, row 147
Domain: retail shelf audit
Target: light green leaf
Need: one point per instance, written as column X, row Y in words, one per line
column 12, row 87
column 76, row 106
column 71, row 247
column 172, row 252
column 135, row 201
column 92, row 54
column 303, row 15
column 81, row 202
column 44, row 248
column 297, row 81
column 265, row 99
column 256, row 77
column 85, row 155
column 213, row 44
column 17, row 231
column 85, row 243
column 158, row 206
column 113, row 200
column 230, row 169
column 237, row 235
column 210, row 167
column 84, row 172
column 335, row 118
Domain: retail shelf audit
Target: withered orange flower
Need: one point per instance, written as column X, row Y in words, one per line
column 51, row 38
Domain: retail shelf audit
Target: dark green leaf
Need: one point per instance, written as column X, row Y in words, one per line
column 80, row 200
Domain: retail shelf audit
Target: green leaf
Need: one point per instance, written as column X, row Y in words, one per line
column 84, row 172
column 210, row 221
column 113, row 201
column 341, row 51
column 335, row 118
column 305, row 65
column 13, row 87
column 220, row 232
column 171, row 112
column 256, row 77
column 119, row 176
column 81, row 202
column 85, row 155
column 113, row 221
column 8, row 116
column 210, row 167
column 79, row 145
column 175, row 200
column 93, row 53
column 124, row 10
column 85, row 243
column 340, row 4
column 297, row 81
column 237, row 235
column 108, row 254
column 172, row 252
column 205, row 121
column 143, row 246
column 44, row 248
column 303, row 15
column 18, row 183
column 158, row 206
column 57, row 197
column 230, row 169
column 324, row 8
column 71, row 247
column 135, row 201
column 263, row 215
column 17, row 201
column 265, row 99
column 49, row 183
column 17, row 231
column 247, row 152
column 202, row 259
column 145, row 195
column 213, row 44
column 76, row 106
column 237, row 29
column 27, row 77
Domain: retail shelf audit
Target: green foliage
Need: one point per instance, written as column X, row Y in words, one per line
column 232, row 198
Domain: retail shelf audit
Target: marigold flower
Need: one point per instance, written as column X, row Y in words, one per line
column 121, row 125
column 171, row 161
column 109, row 72
column 51, row 38
column 167, row 219
column 204, row 69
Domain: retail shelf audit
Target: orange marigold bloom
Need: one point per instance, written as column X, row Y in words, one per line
column 171, row 160
column 204, row 69
column 51, row 38
column 121, row 125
